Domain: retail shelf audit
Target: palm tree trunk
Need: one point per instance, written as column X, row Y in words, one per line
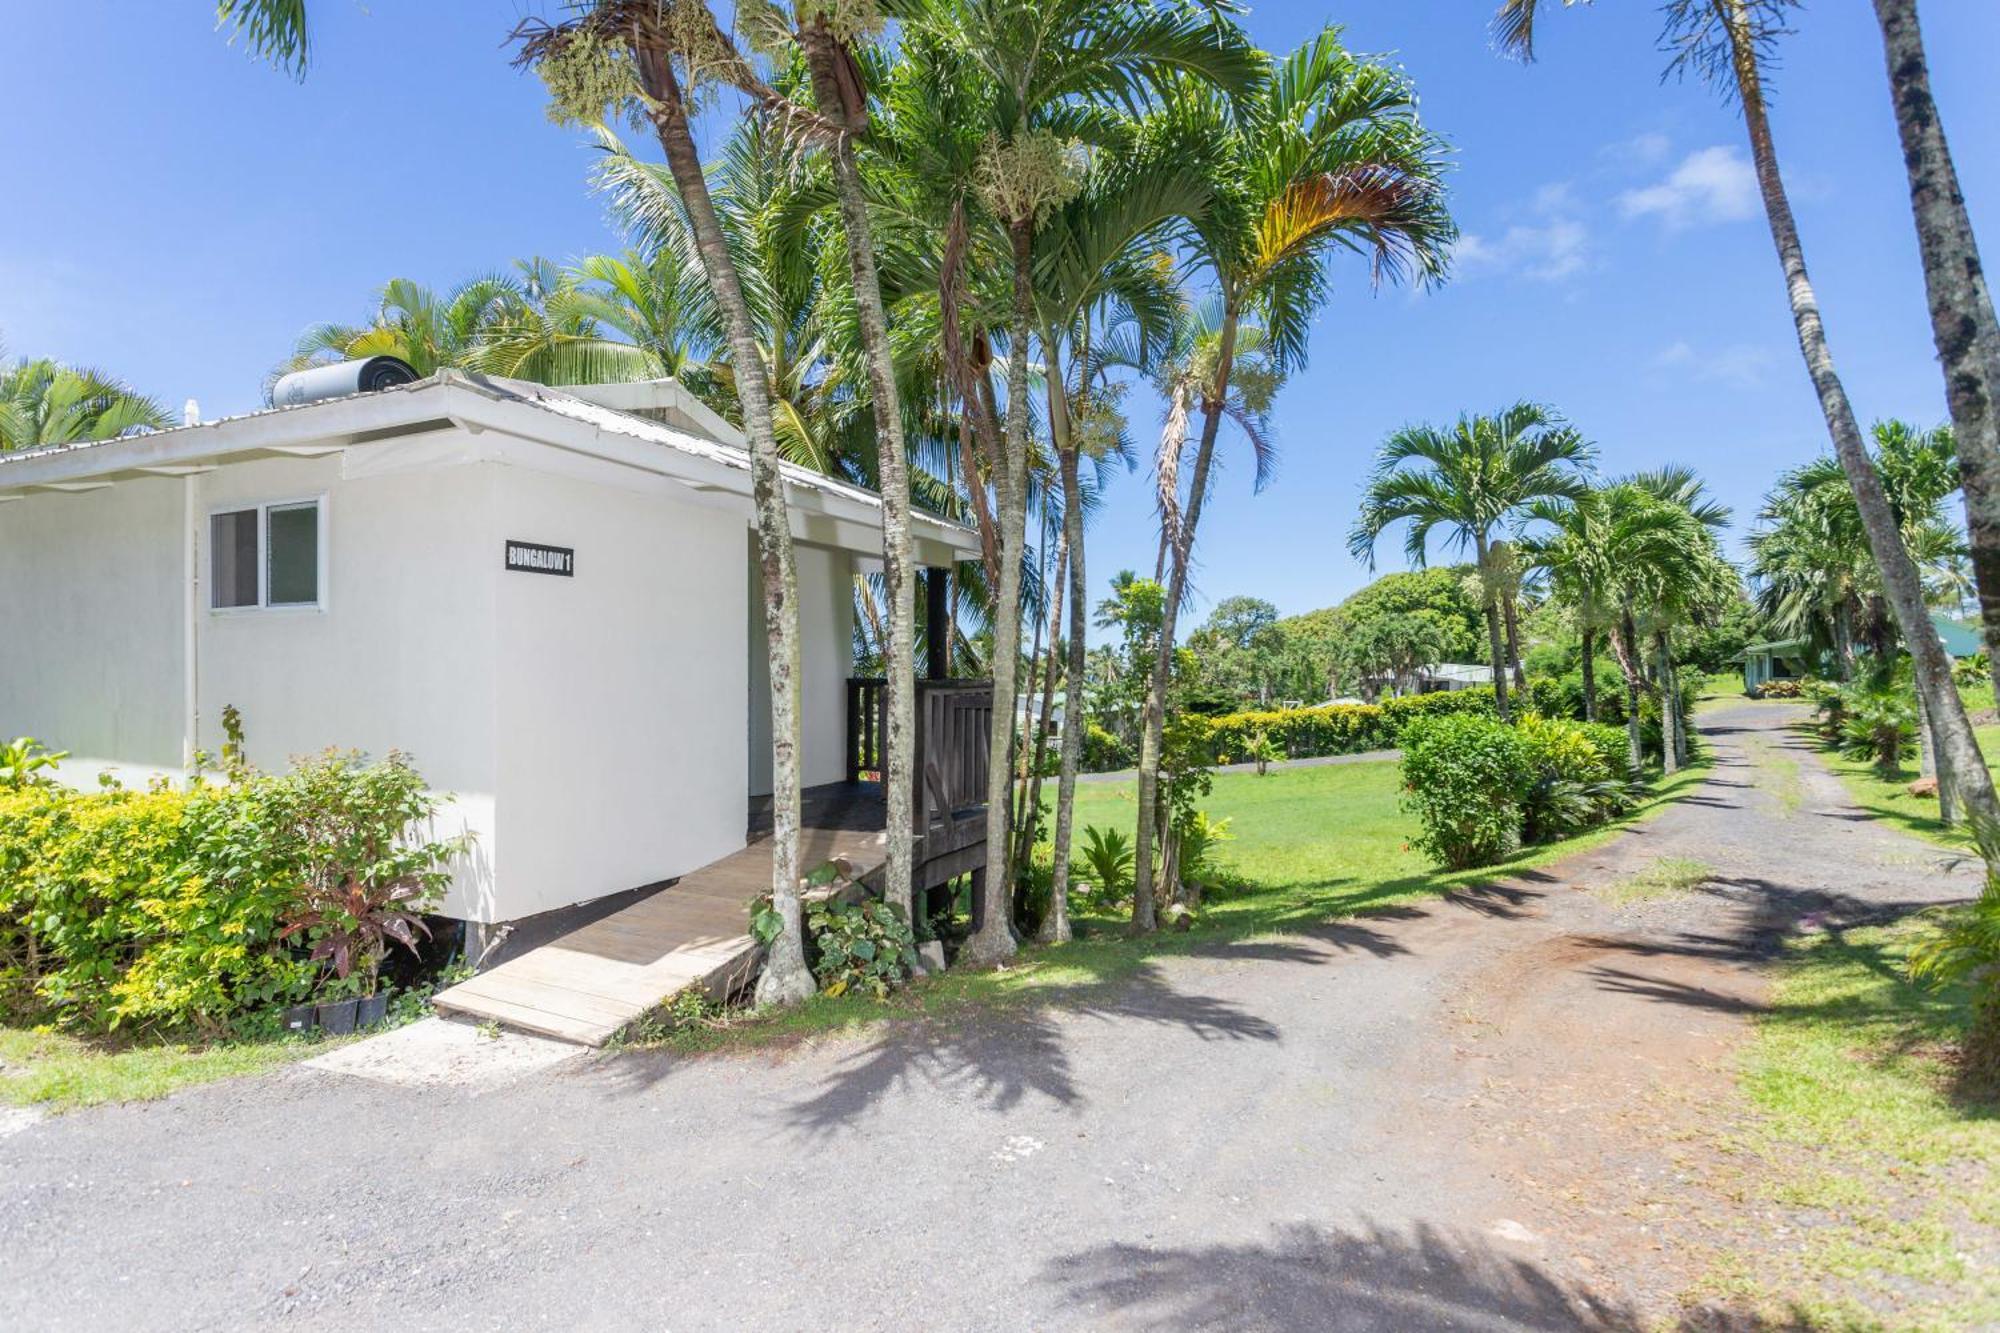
column 1956, row 743
column 1670, row 741
column 1497, row 649
column 1024, row 773
column 1589, row 675
column 1843, row 638
column 1153, row 716
column 1512, row 618
column 1055, row 926
column 899, row 648
column 994, row 940
column 1963, row 324
column 785, row 978
column 1051, row 668
column 1628, row 662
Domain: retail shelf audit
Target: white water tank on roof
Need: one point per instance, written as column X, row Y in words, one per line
column 341, row 379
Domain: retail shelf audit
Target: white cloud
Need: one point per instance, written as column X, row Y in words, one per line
column 1641, row 150
column 1738, row 365
column 1553, row 246
column 1547, row 253
column 1709, row 185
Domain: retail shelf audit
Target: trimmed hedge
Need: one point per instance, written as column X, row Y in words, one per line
column 1307, row 733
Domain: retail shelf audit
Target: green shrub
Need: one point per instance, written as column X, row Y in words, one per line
column 1782, row 688
column 1104, row 752
column 1571, row 784
column 1879, row 724
column 1613, row 750
column 860, row 946
column 1107, row 856
column 167, row 910
column 1465, row 778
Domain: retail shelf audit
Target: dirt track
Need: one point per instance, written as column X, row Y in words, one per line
column 1479, row 1113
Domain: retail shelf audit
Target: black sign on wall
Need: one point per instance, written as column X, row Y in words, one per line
column 535, row 558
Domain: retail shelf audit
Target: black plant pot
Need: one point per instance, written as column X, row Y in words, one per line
column 371, row 1009
column 338, row 1017
column 299, row 1018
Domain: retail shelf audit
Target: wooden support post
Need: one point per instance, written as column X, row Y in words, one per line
column 937, row 623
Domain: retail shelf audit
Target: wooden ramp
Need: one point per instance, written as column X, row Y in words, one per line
column 588, row 985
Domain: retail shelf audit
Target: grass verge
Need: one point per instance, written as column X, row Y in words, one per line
column 1665, row 878
column 1889, row 799
column 1878, row 1186
column 54, row 1072
column 1309, row 846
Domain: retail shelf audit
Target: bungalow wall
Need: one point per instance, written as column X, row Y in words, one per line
column 93, row 625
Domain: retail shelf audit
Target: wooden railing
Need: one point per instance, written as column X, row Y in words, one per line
column 952, row 744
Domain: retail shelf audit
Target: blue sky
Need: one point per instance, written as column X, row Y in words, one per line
column 178, row 213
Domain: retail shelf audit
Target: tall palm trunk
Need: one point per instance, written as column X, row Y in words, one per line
column 1957, row 746
column 994, row 941
column 1963, row 325
column 1055, row 925
column 1051, row 673
column 785, row 978
column 1671, row 752
column 1628, row 663
column 899, row 656
column 1589, row 675
column 1153, row 717
column 1497, row 650
column 1511, row 617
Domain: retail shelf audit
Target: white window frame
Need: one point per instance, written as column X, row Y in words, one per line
column 263, row 509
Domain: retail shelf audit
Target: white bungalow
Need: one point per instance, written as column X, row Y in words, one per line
column 548, row 597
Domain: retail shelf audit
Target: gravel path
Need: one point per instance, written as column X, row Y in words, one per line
column 1446, row 1116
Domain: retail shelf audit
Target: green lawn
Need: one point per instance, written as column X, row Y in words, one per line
column 1311, row 845
column 55, row 1072
column 1873, row 1183
column 1889, row 799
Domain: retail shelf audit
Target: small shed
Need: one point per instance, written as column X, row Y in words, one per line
column 1778, row 659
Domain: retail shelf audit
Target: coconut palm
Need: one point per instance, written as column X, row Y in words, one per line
column 1728, row 43
column 1468, row 482
column 45, row 402
column 1329, row 155
column 418, row 324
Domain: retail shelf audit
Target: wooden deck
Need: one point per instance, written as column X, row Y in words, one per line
column 588, row 985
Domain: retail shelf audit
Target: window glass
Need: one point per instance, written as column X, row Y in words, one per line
column 293, row 534
column 233, row 558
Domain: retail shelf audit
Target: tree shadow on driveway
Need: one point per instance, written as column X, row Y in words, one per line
column 1375, row 1278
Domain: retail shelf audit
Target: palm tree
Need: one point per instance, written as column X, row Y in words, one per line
column 616, row 55
column 1471, row 480
column 1686, row 588
column 1042, row 74
column 1569, row 558
column 44, row 402
column 417, row 324
column 1963, row 325
column 1328, row 155
column 1727, row 42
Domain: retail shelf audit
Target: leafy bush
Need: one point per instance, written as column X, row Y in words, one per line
column 25, row 761
column 1465, row 778
column 1571, row 786
column 1107, row 858
column 1612, row 750
column 1967, row 949
column 1199, row 836
column 1328, row 729
column 860, row 946
column 1879, row 724
column 1104, row 752
column 167, row 909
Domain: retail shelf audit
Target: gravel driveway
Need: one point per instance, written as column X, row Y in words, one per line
column 1438, row 1117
